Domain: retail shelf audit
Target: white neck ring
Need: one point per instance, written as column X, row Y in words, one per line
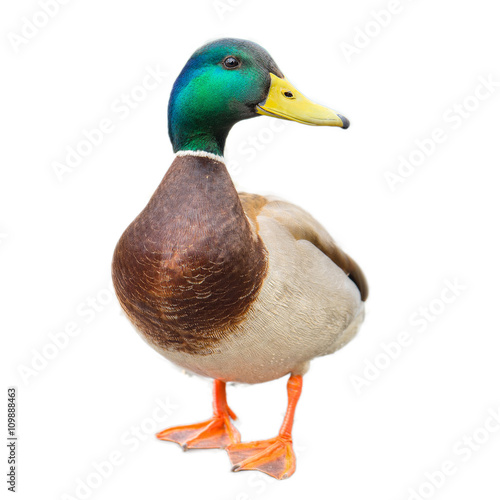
column 203, row 154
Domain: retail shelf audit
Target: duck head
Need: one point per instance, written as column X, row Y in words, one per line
column 230, row 80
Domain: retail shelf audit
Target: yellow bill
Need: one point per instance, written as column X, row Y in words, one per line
column 286, row 102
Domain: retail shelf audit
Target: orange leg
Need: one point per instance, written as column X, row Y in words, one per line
column 273, row 456
column 217, row 432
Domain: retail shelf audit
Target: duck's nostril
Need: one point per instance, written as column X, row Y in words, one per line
column 287, row 94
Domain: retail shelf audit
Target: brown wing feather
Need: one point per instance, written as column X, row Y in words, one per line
column 303, row 226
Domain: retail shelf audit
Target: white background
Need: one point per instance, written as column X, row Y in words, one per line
column 440, row 223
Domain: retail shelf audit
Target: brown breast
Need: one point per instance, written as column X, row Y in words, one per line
column 188, row 269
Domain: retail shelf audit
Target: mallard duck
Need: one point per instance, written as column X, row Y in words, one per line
column 233, row 286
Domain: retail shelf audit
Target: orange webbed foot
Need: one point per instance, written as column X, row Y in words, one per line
column 217, row 432
column 273, row 456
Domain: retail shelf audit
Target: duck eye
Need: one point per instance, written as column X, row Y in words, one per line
column 288, row 94
column 231, row 62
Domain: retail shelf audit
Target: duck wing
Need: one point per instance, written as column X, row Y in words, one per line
column 303, row 226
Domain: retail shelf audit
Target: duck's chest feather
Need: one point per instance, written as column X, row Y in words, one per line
column 189, row 267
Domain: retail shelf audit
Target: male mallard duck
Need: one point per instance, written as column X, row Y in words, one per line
column 235, row 287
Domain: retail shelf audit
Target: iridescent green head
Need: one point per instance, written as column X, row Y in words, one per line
column 231, row 80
